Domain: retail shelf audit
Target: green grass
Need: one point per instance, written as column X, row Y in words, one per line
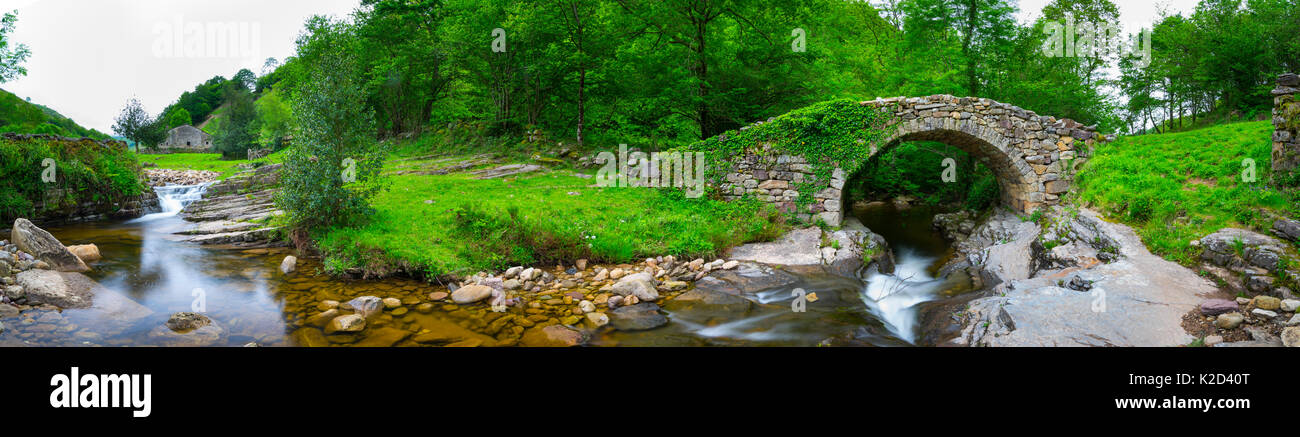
column 205, row 161
column 474, row 225
column 1174, row 188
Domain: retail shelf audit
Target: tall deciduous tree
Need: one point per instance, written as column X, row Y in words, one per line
column 12, row 55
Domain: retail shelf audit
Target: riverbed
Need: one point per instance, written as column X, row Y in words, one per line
column 152, row 274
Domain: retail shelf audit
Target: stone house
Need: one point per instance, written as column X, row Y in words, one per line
column 188, row 138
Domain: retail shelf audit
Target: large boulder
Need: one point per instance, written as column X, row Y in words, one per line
column 50, row 287
column 843, row 250
column 45, row 247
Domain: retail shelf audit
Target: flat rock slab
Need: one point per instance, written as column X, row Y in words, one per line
column 797, row 247
column 506, row 170
column 1138, row 300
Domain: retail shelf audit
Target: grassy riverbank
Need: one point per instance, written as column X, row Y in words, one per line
column 1178, row 187
column 456, row 223
column 205, row 161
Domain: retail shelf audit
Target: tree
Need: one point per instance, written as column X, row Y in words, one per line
column 134, row 123
column 11, row 59
column 236, row 133
column 333, row 168
column 273, row 120
column 178, row 117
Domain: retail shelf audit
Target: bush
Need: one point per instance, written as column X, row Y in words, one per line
column 85, row 172
column 333, row 168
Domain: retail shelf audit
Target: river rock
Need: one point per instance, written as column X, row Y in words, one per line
column 392, row 302
column 598, row 319
column 186, row 321
column 1291, row 336
column 641, row 285
column 323, row 319
column 45, row 247
column 383, row 337
column 1266, row 302
column 289, row 264
column 1229, row 320
column 309, row 337
column 87, row 252
column 638, row 317
column 1264, row 313
column 1290, row 305
column 1214, row 307
column 50, row 287
column 367, row 306
column 206, row 332
column 471, row 293
column 705, row 297
column 348, row 323
column 552, row 336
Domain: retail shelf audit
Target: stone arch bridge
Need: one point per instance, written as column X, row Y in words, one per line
column 1034, row 157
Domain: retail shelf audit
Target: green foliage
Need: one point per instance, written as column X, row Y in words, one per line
column 333, row 170
column 1219, row 60
column 134, row 124
column 455, row 224
column 1174, row 188
column 237, row 132
column 837, row 133
column 273, row 120
column 85, row 173
column 915, row 169
column 11, row 56
column 178, row 117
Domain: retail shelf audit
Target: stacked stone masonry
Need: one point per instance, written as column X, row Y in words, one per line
column 1033, row 156
column 1286, row 123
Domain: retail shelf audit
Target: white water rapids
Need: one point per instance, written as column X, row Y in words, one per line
column 893, row 298
column 173, row 198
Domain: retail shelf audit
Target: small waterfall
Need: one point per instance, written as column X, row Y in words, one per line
column 893, row 298
column 173, row 199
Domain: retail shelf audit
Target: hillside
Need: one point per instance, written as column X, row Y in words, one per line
column 1177, row 187
column 20, row 116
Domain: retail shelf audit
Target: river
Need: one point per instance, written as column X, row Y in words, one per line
column 244, row 293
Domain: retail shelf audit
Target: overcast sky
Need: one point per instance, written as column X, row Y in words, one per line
column 90, row 56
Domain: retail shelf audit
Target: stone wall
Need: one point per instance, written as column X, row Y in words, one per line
column 1286, row 123
column 1034, row 157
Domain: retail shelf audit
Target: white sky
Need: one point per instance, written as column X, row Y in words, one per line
column 1133, row 14
column 90, row 56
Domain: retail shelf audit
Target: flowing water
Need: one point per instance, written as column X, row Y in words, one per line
column 919, row 251
column 147, row 274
